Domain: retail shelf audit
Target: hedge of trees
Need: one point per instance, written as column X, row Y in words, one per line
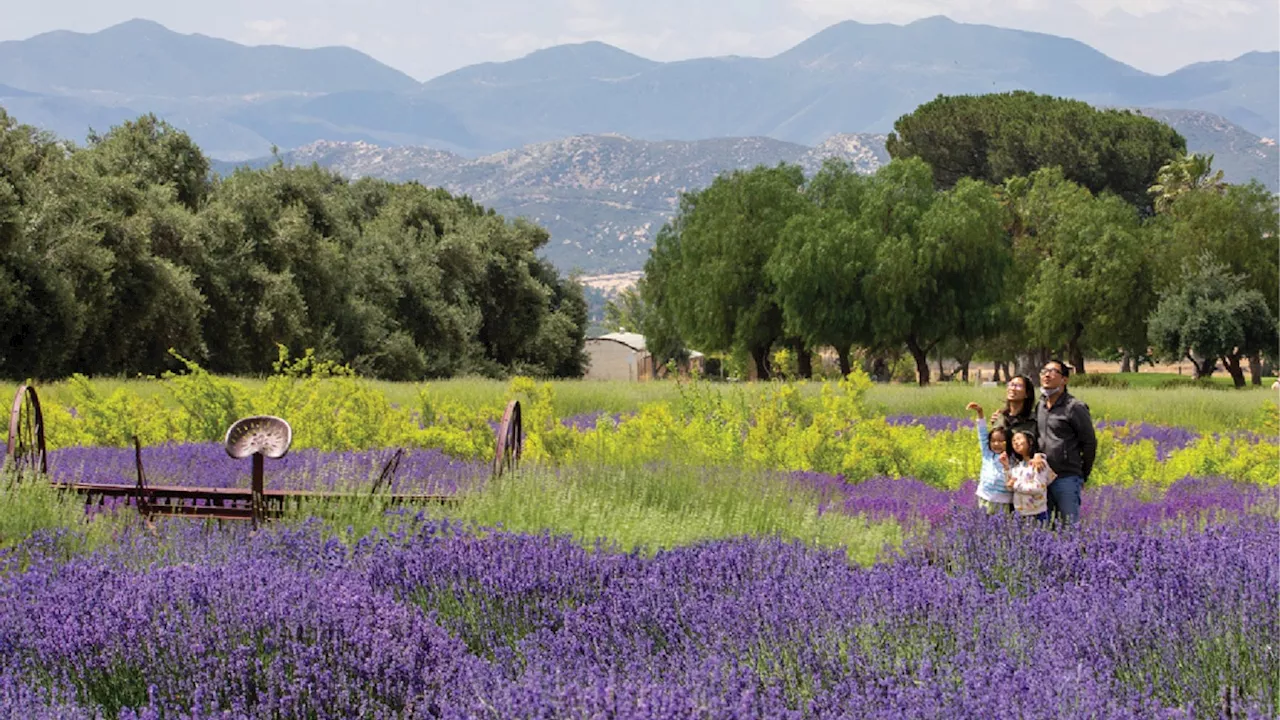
column 115, row 253
column 1010, row 226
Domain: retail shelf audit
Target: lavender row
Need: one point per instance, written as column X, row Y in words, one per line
column 986, row 617
column 908, row 500
column 208, row 465
column 1167, row 438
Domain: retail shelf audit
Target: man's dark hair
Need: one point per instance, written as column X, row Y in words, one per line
column 1063, row 367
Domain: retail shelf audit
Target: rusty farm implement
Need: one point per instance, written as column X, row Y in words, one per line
column 258, row 439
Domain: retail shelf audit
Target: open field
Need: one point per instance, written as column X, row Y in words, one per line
column 663, row 551
column 1191, row 406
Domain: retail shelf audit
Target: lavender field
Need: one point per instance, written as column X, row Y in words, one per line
column 641, row 566
column 981, row 617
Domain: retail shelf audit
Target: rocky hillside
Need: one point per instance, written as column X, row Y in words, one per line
column 602, row 197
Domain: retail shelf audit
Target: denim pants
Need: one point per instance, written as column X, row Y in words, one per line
column 1064, row 498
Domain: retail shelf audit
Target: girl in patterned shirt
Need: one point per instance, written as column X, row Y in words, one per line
column 1029, row 477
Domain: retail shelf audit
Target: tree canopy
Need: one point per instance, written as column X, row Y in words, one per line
column 1215, row 314
column 116, row 253
column 999, row 136
column 1013, row 227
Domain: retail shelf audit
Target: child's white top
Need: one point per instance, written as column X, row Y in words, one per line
column 1030, row 487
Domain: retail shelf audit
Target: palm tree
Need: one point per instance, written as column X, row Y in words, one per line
column 1183, row 175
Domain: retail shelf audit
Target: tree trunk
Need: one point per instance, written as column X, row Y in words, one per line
column 843, row 355
column 880, row 370
column 995, row 370
column 804, row 362
column 1204, row 369
column 921, row 356
column 1232, row 364
column 1124, row 363
column 761, row 358
column 1255, row 367
column 964, row 371
column 942, row 373
column 1074, row 352
column 1029, row 363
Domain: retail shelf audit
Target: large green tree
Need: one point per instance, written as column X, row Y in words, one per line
column 1084, row 273
column 1212, row 313
column 820, row 266
column 113, row 253
column 711, row 268
column 1237, row 225
column 939, row 262
column 40, row 318
column 1000, row 136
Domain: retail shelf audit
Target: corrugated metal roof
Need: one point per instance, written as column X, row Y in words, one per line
column 635, row 341
column 631, row 340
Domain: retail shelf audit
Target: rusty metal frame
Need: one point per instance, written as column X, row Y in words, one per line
column 25, row 414
column 510, row 442
column 254, row 503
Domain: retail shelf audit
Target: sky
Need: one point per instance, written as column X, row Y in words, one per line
column 426, row 38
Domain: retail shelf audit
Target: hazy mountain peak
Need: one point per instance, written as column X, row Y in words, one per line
column 136, row 26
column 142, row 57
column 592, row 60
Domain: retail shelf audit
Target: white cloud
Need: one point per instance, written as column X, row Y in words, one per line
column 591, row 25
column 269, row 31
column 876, row 10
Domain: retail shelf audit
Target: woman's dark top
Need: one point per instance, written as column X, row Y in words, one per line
column 1014, row 424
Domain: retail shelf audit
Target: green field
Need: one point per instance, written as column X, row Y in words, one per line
column 1207, row 410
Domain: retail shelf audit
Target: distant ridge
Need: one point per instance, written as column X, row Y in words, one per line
column 238, row 101
column 603, row 197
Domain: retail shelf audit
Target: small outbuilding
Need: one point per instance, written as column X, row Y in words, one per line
column 622, row 356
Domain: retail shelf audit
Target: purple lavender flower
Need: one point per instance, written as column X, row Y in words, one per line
column 932, row 423
column 437, row 619
column 1167, row 439
column 207, row 465
column 589, row 421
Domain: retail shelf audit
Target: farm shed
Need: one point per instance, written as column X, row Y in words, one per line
column 622, row 356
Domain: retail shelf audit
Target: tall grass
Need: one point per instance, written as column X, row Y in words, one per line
column 1204, row 410
column 662, row 507
column 30, row 505
column 634, row 508
column 1198, row 408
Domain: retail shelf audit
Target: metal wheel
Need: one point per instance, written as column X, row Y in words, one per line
column 510, row 440
column 26, row 449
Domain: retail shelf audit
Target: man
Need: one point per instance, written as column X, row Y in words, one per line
column 1066, row 438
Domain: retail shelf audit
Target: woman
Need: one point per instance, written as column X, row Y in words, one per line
column 1019, row 411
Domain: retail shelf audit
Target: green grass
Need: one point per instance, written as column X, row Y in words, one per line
column 646, row 509
column 30, row 505
column 1203, row 409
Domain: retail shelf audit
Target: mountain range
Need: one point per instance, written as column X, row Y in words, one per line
column 596, row 143
column 239, row 101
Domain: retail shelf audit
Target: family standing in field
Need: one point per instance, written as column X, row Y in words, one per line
column 1036, row 457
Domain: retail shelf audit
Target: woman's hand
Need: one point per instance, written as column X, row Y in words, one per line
column 995, row 418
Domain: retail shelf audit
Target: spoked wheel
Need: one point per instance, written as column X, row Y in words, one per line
column 26, row 449
column 510, row 440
